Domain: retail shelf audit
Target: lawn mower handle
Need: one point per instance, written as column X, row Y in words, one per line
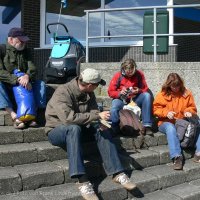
column 56, row 23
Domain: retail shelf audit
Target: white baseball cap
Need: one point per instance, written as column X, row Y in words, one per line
column 90, row 75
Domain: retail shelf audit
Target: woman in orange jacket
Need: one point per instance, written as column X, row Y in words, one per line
column 174, row 102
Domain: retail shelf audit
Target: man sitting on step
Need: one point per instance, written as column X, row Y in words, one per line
column 73, row 114
column 15, row 55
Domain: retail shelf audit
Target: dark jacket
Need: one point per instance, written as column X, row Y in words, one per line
column 15, row 59
column 69, row 105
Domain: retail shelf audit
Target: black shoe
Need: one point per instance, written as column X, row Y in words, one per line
column 148, row 131
column 116, row 130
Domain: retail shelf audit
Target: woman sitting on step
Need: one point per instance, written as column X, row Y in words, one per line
column 173, row 102
column 130, row 83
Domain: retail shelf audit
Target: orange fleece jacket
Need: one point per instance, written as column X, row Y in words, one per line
column 179, row 104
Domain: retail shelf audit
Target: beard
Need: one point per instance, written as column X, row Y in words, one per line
column 20, row 46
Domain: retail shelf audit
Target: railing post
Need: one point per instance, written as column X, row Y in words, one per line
column 102, row 20
column 87, row 35
column 154, row 35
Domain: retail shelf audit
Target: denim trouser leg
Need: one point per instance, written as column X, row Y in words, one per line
column 117, row 105
column 143, row 100
column 4, row 98
column 172, row 138
column 39, row 90
column 108, row 152
column 69, row 137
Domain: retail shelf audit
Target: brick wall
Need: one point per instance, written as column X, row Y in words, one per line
column 31, row 21
column 188, row 46
column 108, row 54
column 118, row 54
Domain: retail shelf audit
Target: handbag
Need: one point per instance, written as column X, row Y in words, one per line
column 130, row 123
column 187, row 130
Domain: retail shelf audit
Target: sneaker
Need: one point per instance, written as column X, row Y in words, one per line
column 178, row 163
column 87, row 191
column 116, row 130
column 196, row 158
column 124, row 180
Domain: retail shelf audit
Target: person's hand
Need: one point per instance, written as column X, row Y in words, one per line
column 29, row 86
column 23, row 80
column 171, row 114
column 188, row 114
column 104, row 115
column 134, row 90
column 123, row 91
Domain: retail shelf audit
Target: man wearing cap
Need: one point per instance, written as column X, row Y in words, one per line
column 72, row 114
column 17, row 56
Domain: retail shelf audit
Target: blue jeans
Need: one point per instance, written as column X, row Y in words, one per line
column 70, row 137
column 172, row 138
column 39, row 90
column 143, row 100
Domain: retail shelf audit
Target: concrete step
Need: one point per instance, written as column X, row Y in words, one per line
column 189, row 191
column 35, row 175
column 29, row 146
column 151, row 182
column 24, row 153
column 10, row 135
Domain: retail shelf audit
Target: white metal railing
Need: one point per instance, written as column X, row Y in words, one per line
column 154, row 35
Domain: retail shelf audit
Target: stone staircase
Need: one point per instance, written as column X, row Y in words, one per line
column 32, row 169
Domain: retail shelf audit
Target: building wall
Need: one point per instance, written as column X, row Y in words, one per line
column 31, row 21
column 108, row 54
column 155, row 73
column 118, row 54
column 188, row 46
column 187, row 49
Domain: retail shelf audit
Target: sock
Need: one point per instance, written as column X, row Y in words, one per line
column 116, row 174
column 82, row 178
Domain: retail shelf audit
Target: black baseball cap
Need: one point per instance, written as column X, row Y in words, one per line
column 19, row 33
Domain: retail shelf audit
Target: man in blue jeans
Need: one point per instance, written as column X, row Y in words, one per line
column 72, row 113
column 15, row 56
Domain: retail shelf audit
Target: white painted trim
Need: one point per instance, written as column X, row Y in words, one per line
column 102, row 20
column 42, row 23
column 171, row 21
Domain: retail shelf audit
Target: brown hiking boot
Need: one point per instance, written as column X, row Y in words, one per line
column 196, row 158
column 124, row 180
column 87, row 191
column 178, row 163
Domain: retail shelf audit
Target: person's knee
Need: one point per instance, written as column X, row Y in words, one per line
column 73, row 131
column 170, row 129
column 74, row 128
column 147, row 96
column 117, row 104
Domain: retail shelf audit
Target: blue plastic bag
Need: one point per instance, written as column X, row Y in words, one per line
column 26, row 108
